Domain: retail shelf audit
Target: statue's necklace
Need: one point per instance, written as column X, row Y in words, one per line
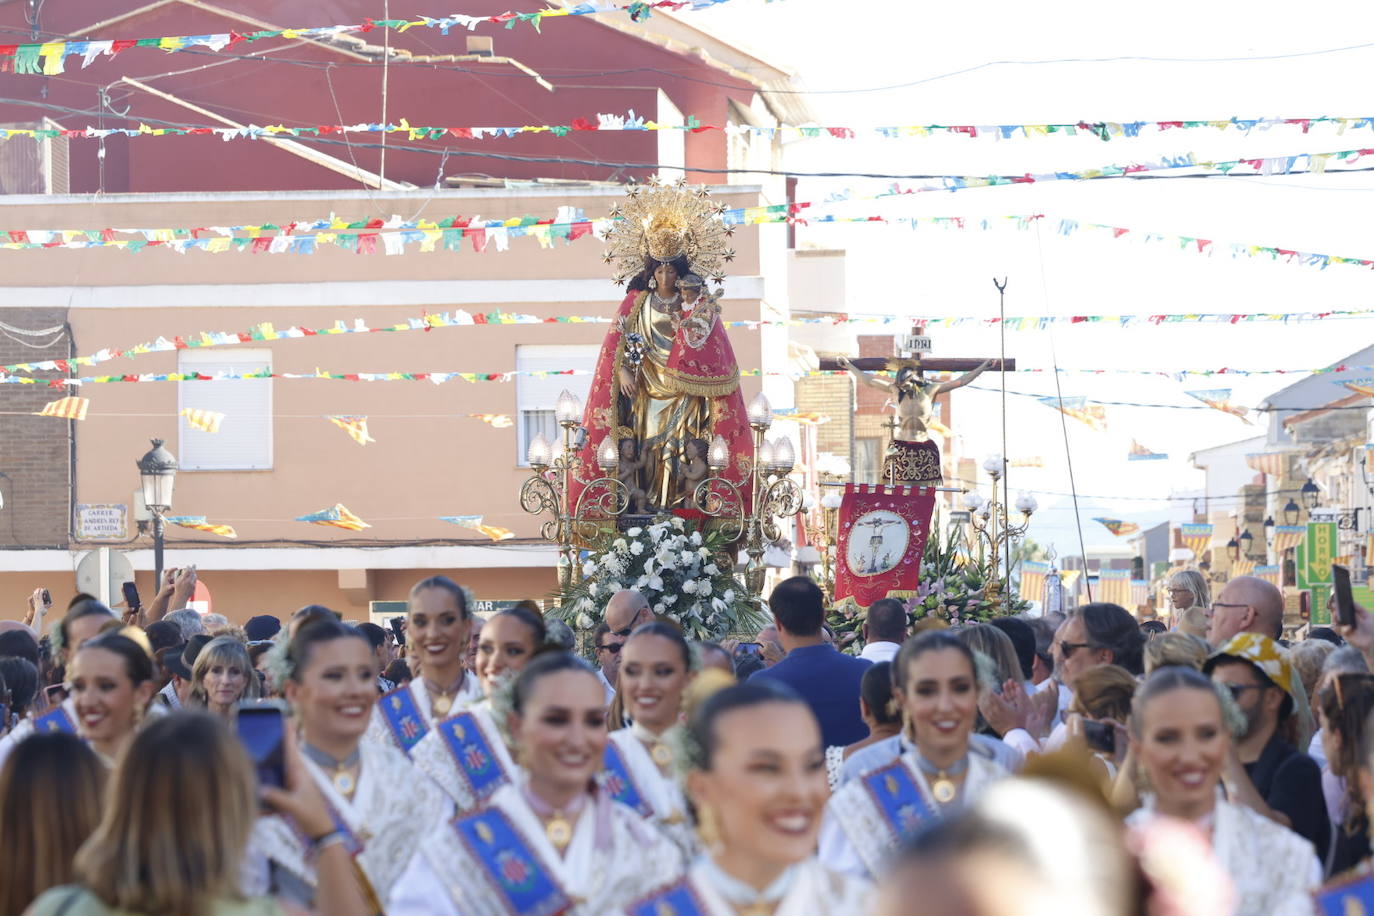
column 666, row 306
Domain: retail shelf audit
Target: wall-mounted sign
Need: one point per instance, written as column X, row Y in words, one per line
column 103, row 522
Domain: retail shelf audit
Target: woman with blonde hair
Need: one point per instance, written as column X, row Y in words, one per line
column 49, row 804
column 1188, row 589
column 223, row 676
column 166, row 846
column 1177, row 648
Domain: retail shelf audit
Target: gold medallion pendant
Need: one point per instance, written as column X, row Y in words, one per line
column 559, row 831
column 343, row 781
column 442, row 704
column 661, row 754
column 942, row 787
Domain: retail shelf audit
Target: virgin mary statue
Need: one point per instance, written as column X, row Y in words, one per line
column 666, row 383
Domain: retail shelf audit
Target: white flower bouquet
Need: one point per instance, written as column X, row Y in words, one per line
column 674, row 566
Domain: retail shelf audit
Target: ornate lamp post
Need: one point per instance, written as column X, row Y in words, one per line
column 157, row 472
column 599, row 503
column 1291, row 512
column 1311, row 494
column 772, row 492
column 993, row 530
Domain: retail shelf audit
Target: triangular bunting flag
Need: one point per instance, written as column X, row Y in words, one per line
column 66, row 408
column 1220, row 399
column 475, row 523
column 1141, row 453
column 1118, row 527
column 497, row 420
column 199, row 523
column 1360, row 389
column 356, row 427
column 203, row 420
column 338, row 517
column 1095, row 415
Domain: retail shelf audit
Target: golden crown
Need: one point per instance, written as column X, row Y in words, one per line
column 664, row 222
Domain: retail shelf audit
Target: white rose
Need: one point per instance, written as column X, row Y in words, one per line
column 718, row 605
column 690, row 586
column 591, row 588
column 636, row 547
column 678, row 523
column 711, row 569
column 670, row 600
column 704, row 553
column 656, row 583
column 634, row 532
column 704, row 587
column 729, row 596
column 584, row 622
column 643, row 581
column 619, row 545
column 696, row 538
column 589, row 569
column 687, row 557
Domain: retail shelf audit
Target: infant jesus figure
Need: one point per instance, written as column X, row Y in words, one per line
column 692, row 471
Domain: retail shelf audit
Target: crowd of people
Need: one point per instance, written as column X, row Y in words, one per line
column 1083, row 764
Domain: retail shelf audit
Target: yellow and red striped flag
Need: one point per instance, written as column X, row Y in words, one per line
column 69, row 408
column 199, row 523
column 495, row 532
column 497, row 420
column 338, row 516
column 204, row 420
column 356, row 427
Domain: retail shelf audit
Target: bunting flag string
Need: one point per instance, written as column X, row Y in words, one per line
column 69, row 408
column 49, row 58
column 1142, row 453
column 338, row 517
column 198, row 523
column 204, row 420
column 1117, row 526
column 604, row 122
column 266, row 331
column 356, row 427
column 1220, row 399
column 475, row 523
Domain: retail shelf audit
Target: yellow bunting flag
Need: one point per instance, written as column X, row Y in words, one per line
column 337, row 517
column 199, row 523
column 497, row 420
column 66, row 408
column 204, row 420
column 476, row 524
column 356, row 427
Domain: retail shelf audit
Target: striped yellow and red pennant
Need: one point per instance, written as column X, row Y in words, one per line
column 476, row 524
column 66, row 408
column 204, row 420
column 356, row 427
column 338, row 517
column 496, row 420
column 199, row 523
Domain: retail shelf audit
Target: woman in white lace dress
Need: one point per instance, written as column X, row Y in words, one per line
column 1181, row 737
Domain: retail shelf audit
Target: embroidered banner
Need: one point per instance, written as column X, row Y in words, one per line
column 882, row 538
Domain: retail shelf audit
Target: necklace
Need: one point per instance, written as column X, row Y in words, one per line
column 942, row 785
column 745, row 899
column 341, row 777
column 442, row 700
column 659, row 750
column 558, row 826
column 666, row 306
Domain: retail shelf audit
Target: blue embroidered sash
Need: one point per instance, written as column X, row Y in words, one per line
column 619, row 784
column 55, row 720
column 678, row 900
column 399, row 710
column 1348, row 895
column 524, row 884
column 476, row 760
column 899, row 799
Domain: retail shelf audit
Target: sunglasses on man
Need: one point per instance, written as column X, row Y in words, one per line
column 613, row 648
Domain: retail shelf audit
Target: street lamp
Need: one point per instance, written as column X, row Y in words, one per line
column 1291, row 512
column 1311, row 494
column 1247, row 542
column 1233, row 549
column 157, row 472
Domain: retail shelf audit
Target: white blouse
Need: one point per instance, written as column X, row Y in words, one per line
column 379, row 728
column 467, row 756
column 664, row 797
column 807, row 889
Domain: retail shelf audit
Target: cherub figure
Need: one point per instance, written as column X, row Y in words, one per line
column 631, row 463
column 692, row 471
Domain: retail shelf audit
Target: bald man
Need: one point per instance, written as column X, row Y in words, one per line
column 626, row 610
column 1247, row 604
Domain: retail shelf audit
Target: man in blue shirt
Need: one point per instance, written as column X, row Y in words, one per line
column 825, row 678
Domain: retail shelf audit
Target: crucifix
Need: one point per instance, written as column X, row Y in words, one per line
column 911, row 457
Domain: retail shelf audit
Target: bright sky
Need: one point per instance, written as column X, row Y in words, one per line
column 838, row 46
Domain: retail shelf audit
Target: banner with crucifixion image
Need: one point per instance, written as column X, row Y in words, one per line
column 882, row 536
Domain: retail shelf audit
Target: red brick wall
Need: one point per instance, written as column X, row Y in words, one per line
column 35, row 452
column 871, row 400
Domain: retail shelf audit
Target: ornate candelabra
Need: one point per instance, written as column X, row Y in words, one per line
column 591, row 521
column 992, row 530
column 772, row 492
column 823, row 532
